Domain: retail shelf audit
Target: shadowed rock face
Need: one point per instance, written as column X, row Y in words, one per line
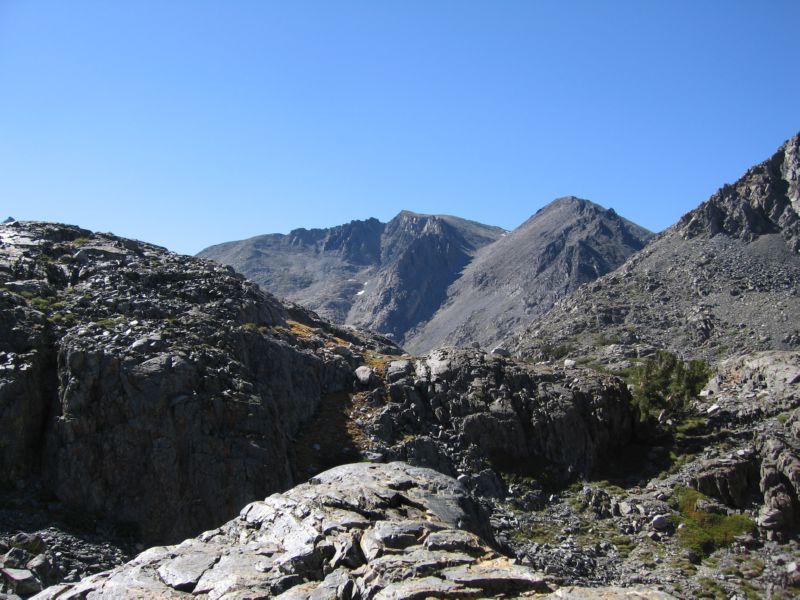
column 721, row 281
column 433, row 280
column 467, row 412
column 150, row 388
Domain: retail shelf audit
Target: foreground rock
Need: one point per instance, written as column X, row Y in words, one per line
column 476, row 415
column 157, row 390
column 356, row 531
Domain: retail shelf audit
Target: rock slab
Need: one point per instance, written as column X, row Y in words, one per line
column 356, row 531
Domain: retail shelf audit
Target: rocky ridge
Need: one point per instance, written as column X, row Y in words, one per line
column 720, row 282
column 114, row 350
column 475, row 416
column 567, row 243
column 429, row 281
column 384, row 276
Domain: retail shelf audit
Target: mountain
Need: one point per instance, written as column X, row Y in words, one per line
column 385, row 276
column 565, row 244
column 725, row 279
column 427, row 280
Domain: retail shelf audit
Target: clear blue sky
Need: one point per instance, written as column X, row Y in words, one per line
column 188, row 122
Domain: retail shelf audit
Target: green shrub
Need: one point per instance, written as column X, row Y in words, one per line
column 703, row 532
column 666, row 382
column 553, row 352
column 45, row 304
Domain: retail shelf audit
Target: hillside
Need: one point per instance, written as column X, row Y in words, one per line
column 385, row 276
column 567, row 243
column 724, row 280
column 430, row 280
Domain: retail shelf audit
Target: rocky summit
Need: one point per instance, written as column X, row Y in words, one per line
column 389, row 277
column 724, row 280
column 567, row 243
column 430, row 280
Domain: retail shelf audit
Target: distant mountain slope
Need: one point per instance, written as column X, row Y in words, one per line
column 320, row 268
column 427, row 280
column 388, row 277
column 724, row 279
column 564, row 245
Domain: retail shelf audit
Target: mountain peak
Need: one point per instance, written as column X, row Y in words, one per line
column 573, row 204
column 721, row 281
column 565, row 244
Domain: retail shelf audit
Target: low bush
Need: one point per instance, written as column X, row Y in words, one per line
column 703, row 532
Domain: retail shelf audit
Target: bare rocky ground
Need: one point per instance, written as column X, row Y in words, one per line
column 146, row 397
column 705, row 505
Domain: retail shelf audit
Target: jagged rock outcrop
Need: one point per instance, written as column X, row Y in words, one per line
column 567, row 243
column 468, row 413
column 434, row 280
column 765, row 200
column 385, row 276
column 745, row 391
column 722, row 281
column 151, row 388
column 708, row 508
column 356, row 531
